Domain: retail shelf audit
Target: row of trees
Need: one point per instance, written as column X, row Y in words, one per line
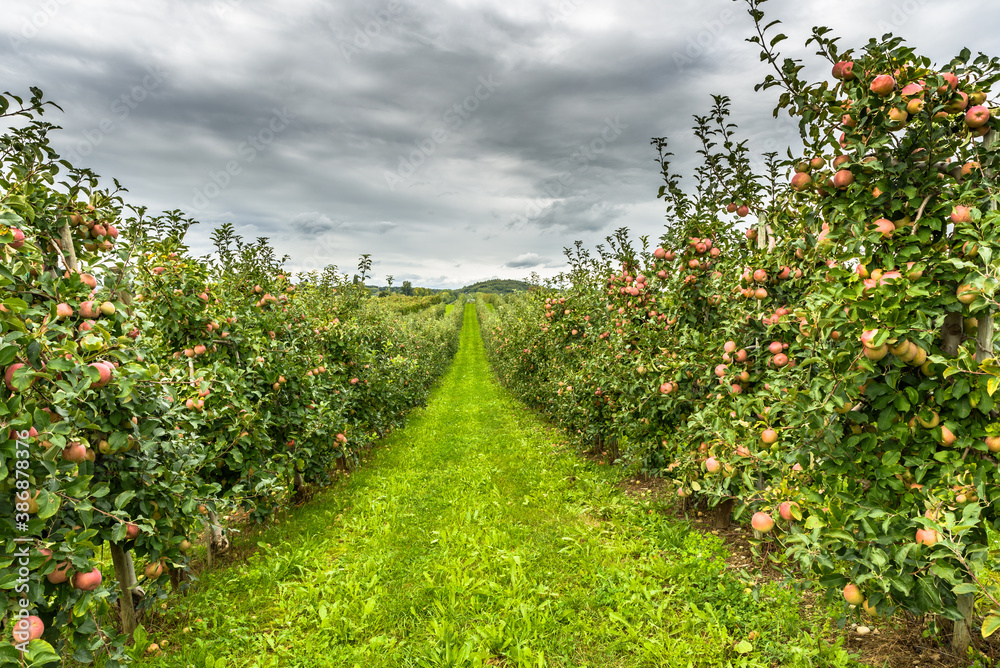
column 811, row 345
column 148, row 393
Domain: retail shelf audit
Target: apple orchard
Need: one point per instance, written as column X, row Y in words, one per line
column 148, row 393
column 808, row 345
column 811, row 346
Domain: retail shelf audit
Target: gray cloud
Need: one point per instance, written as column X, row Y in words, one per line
column 368, row 84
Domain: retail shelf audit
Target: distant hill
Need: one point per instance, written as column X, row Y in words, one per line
column 497, row 286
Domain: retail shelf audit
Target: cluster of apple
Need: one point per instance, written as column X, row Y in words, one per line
column 907, row 94
column 96, row 235
column 755, row 280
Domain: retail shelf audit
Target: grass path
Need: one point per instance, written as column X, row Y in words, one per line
column 472, row 538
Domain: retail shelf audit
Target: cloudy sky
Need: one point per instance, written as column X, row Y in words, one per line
column 430, row 134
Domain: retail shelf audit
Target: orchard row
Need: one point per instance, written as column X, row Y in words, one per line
column 810, row 344
column 148, row 394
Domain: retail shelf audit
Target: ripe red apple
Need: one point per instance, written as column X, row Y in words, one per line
column 769, row 436
column 659, row 253
column 154, row 570
column 867, row 337
column 843, row 70
column 780, row 360
column 843, row 179
column 961, row 214
column 762, row 522
column 951, row 82
column 89, row 309
column 87, row 581
column 853, row 595
column 912, row 90
column 743, row 211
column 27, row 629
column 75, row 452
column 712, row 465
column 131, row 530
column 775, row 347
column 60, row 574
column 159, row 270
column 200, row 349
column 801, row 181
column 8, row 375
column 947, row 437
column 883, row 85
column 729, row 346
column 885, row 227
column 760, row 276
column 993, row 443
column 927, row 536
column 785, row 510
column 977, row 117
column 105, row 370
column 720, row 370
column 64, row 310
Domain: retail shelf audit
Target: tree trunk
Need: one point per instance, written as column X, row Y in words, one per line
column 125, row 573
column 961, row 636
column 217, row 541
column 951, row 334
column 67, row 245
column 723, row 515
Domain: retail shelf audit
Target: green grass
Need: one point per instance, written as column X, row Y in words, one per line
column 473, row 538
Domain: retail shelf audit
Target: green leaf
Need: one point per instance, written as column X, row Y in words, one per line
column 965, row 588
column 124, row 498
column 744, row 647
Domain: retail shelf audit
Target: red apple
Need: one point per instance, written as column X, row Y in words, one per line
column 885, row 227
column 89, row 309
column 883, row 85
column 762, row 522
column 927, row 536
column 843, row 179
column 64, row 310
column 8, row 375
column 853, row 595
column 27, row 629
column 961, row 214
column 769, row 436
column 87, row 581
column 712, row 465
column 800, row 181
column 785, row 510
column 105, row 370
column 843, row 70
column 977, row 117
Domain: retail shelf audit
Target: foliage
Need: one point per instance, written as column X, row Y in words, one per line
column 828, row 358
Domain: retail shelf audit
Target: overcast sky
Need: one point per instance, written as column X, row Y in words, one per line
column 431, row 135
